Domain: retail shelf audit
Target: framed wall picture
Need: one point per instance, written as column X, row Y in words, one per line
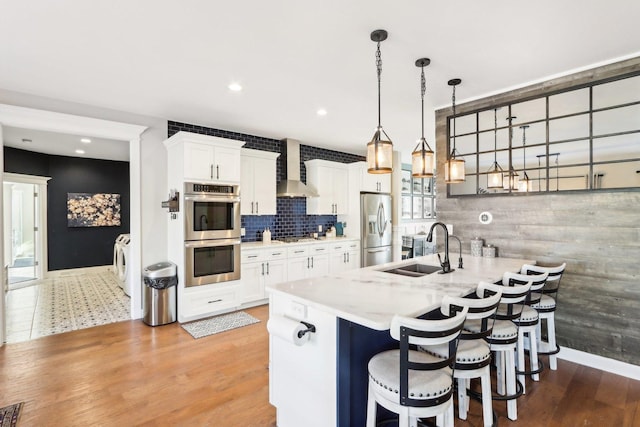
column 93, row 210
column 406, row 181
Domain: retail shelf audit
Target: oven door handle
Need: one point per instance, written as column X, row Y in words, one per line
column 209, row 243
column 223, row 199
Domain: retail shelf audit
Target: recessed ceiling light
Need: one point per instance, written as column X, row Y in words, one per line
column 79, row 151
column 26, row 141
column 322, row 112
column 85, row 140
column 235, row 87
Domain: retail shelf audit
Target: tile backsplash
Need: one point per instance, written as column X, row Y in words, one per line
column 291, row 218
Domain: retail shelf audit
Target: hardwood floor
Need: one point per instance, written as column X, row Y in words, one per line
column 127, row 373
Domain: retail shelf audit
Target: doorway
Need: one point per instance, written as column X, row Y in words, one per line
column 24, row 201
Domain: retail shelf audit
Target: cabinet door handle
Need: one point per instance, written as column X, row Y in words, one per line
column 263, row 268
column 251, row 207
column 257, row 208
column 217, row 172
column 307, row 262
column 348, row 258
column 211, row 171
column 267, row 269
column 311, row 262
column 344, row 257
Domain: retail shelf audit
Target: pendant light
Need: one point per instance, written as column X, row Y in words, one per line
column 422, row 158
column 494, row 176
column 510, row 180
column 454, row 167
column 525, row 183
column 380, row 148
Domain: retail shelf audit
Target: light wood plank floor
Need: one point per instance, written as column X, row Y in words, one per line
column 127, row 373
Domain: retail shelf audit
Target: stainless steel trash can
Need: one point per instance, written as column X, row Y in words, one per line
column 159, row 297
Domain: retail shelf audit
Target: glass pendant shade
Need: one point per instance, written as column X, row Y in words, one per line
column 379, row 153
column 524, row 184
column 422, row 160
column 454, row 170
column 511, row 180
column 494, row 177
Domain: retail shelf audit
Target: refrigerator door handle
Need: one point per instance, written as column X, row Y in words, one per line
column 384, row 221
column 371, row 251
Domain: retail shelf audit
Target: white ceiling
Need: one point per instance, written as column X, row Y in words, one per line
column 175, row 59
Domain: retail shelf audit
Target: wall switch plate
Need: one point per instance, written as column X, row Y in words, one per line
column 320, row 229
column 298, row 311
column 243, row 232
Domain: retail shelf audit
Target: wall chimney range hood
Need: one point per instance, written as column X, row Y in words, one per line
column 291, row 186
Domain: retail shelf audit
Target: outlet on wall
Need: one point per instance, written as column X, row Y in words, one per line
column 320, row 229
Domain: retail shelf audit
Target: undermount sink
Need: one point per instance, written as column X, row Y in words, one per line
column 414, row 270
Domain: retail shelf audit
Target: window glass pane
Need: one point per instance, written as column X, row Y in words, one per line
column 535, row 157
column 616, row 120
column 417, row 207
column 467, row 187
column 416, row 186
column 529, row 111
column 536, row 133
column 465, row 144
column 575, row 101
column 617, row 92
column 616, row 175
column 568, row 153
column 426, row 205
column 464, row 124
column 427, row 185
column 616, row 147
column 406, row 207
column 569, row 128
column 568, row 178
column 487, row 121
column 487, row 140
column 406, row 181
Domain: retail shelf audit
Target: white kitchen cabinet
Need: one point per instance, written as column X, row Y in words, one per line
column 202, row 301
column 261, row 267
column 344, row 256
column 331, row 180
column 373, row 183
column 202, row 158
column 258, row 182
column 305, row 261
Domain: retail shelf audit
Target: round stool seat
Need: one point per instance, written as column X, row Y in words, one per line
column 384, row 371
column 503, row 330
column 470, row 352
column 528, row 315
column 546, row 303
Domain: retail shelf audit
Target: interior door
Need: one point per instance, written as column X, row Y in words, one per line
column 21, row 227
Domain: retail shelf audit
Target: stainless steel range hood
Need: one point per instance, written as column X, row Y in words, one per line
column 291, row 186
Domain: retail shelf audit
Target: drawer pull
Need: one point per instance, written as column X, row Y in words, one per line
column 298, row 252
column 252, row 256
column 214, row 301
column 276, row 253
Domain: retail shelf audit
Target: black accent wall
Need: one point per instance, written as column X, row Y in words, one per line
column 75, row 247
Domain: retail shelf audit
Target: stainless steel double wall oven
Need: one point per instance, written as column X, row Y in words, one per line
column 212, row 233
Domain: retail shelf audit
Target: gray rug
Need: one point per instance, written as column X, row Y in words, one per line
column 9, row 415
column 214, row 325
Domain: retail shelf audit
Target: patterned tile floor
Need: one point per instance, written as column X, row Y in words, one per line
column 64, row 304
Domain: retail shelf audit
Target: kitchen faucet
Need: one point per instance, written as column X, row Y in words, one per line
column 446, row 267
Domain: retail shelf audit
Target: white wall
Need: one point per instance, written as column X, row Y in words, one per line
column 153, row 163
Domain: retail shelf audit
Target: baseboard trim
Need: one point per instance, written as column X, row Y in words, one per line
column 599, row 362
column 75, row 271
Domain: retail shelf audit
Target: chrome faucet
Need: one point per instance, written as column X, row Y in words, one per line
column 446, row 267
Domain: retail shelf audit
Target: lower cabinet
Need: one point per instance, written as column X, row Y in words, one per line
column 344, row 256
column 307, row 261
column 202, row 301
column 261, row 267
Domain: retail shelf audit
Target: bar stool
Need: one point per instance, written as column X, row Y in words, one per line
column 503, row 340
column 528, row 324
column 546, row 308
column 411, row 383
column 474, row 355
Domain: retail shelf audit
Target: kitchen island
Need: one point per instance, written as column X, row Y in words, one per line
column 323, row 381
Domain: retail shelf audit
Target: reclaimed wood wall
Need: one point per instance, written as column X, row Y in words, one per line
column 596, row 233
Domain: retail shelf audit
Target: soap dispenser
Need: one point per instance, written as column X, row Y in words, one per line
column 266, row 236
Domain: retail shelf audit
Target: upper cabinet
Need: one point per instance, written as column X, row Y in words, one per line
column 331, row 180
column 373, row 183
column 258, row 182
column 205, row 158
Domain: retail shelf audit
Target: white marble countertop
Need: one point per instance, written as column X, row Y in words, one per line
column 370, row 297
column 305, row 241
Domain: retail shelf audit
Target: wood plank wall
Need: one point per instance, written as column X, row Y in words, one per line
column 596, row 233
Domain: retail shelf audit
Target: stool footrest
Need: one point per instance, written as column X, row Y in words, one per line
column 519, row 392
column 549, row 353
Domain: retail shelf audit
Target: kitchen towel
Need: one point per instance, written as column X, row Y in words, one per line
column 287, row 329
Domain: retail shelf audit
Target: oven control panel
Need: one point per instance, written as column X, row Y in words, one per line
column 197, row 188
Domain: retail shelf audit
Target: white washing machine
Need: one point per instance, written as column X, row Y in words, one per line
column 116, row 252
column 124, row 272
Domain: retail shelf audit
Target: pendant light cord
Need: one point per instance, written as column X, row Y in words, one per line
column 495, row 135
column 423, row 89
column 453, row 100
column 379, row 70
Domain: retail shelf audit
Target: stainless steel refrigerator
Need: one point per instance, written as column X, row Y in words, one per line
column 375, row 211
